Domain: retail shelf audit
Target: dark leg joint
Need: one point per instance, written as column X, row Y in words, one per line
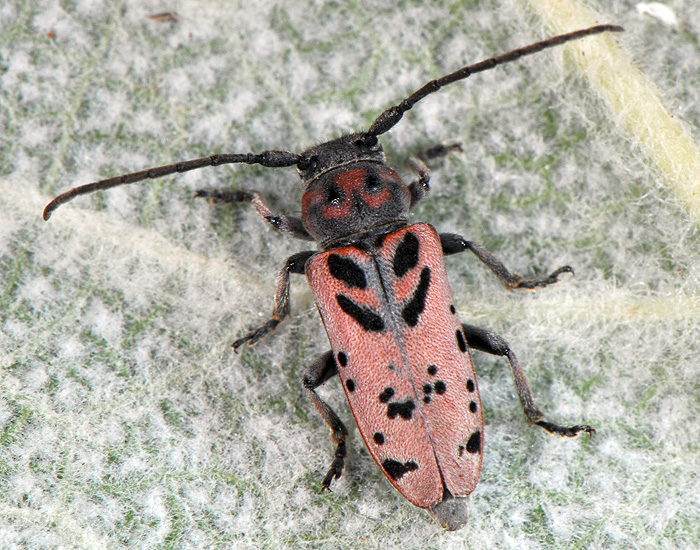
column 489, row 342
column 322, row 370
column 419, row 189
column 297, row 262
column 288, row 225
column 452, row 243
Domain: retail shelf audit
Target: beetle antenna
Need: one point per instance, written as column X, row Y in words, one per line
column 271, row 159
column 389, row 118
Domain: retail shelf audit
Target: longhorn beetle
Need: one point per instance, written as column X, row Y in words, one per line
column 381, row 289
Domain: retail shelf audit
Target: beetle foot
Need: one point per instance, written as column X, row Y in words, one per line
column 438, row 150
column 255, row 335
column 552, row 278
column 337, row 466
column 565, row 431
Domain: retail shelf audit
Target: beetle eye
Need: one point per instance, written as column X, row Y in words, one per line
column 307, row 163
column 366, row 141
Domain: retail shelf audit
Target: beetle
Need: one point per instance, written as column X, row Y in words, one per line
column 381, row 289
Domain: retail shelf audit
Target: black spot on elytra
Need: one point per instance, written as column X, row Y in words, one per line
column 387, row 394
column 461, row 449
column 461, row 342
column 347, row 271
column 439, row 387
column 470, row 385
column 452, row 309
column 350, row 384
column 432, row 370
column 406, row 255
column 342, row 359
column 368, row 319
column 474, row 443
column 396, row 469
column 404, row 409
column 472, row 407
column 379, row 438
column 416, row 305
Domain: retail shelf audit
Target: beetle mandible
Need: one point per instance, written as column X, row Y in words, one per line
column 381, row 289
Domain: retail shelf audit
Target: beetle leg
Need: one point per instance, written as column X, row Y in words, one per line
column 417, row 163
column 287, row 225
column 453, row 244
column 294, row 264
column 484, row 340
column 321, row 370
